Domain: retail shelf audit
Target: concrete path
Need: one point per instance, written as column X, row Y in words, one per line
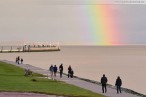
column 19, row 94
column 111, row 91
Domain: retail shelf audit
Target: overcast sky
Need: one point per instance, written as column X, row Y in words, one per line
column 46, row 20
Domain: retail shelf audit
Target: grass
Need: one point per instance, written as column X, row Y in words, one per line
column 12, row 79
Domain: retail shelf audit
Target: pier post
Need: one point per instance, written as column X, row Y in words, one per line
column 28, row 48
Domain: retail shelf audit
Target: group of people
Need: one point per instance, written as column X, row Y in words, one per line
column 118, row 84
column 18, row 60
column 53, row 70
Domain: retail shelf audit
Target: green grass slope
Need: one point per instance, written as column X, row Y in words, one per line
column 12, row 79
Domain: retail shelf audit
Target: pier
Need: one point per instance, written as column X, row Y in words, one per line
column 29, row 47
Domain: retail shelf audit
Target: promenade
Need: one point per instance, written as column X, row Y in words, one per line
column 111, row 91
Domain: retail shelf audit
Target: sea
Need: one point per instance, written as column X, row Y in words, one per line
column 91, row 62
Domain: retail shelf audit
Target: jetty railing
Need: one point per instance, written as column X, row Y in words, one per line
column 29, row 48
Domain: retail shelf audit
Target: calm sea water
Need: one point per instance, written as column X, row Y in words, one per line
column 128, row 62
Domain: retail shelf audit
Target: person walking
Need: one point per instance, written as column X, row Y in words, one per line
column 51, row 71
column 55, row 70
column 104, row 82
column 21, row 61
column 61, row 70
column 118, row 84
column 69, row 71
column 18, row 59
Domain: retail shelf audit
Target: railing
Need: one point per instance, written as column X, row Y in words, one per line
column 29, row 48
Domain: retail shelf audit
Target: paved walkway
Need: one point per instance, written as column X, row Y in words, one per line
column 18, row 94
column 111, row 92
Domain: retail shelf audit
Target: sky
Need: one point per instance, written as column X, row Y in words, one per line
column 69, row 21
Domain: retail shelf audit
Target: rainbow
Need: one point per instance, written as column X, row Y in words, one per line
column 101, row 24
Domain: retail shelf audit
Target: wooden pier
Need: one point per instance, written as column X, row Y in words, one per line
column 29, row 48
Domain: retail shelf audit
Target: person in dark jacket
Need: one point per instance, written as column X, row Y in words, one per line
column 21, row 61
column 55, row 70
column 118, row 84
column 51, row 69
column 18, row 59
column 104, row 82
column 61, row 70
column 69, row 71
